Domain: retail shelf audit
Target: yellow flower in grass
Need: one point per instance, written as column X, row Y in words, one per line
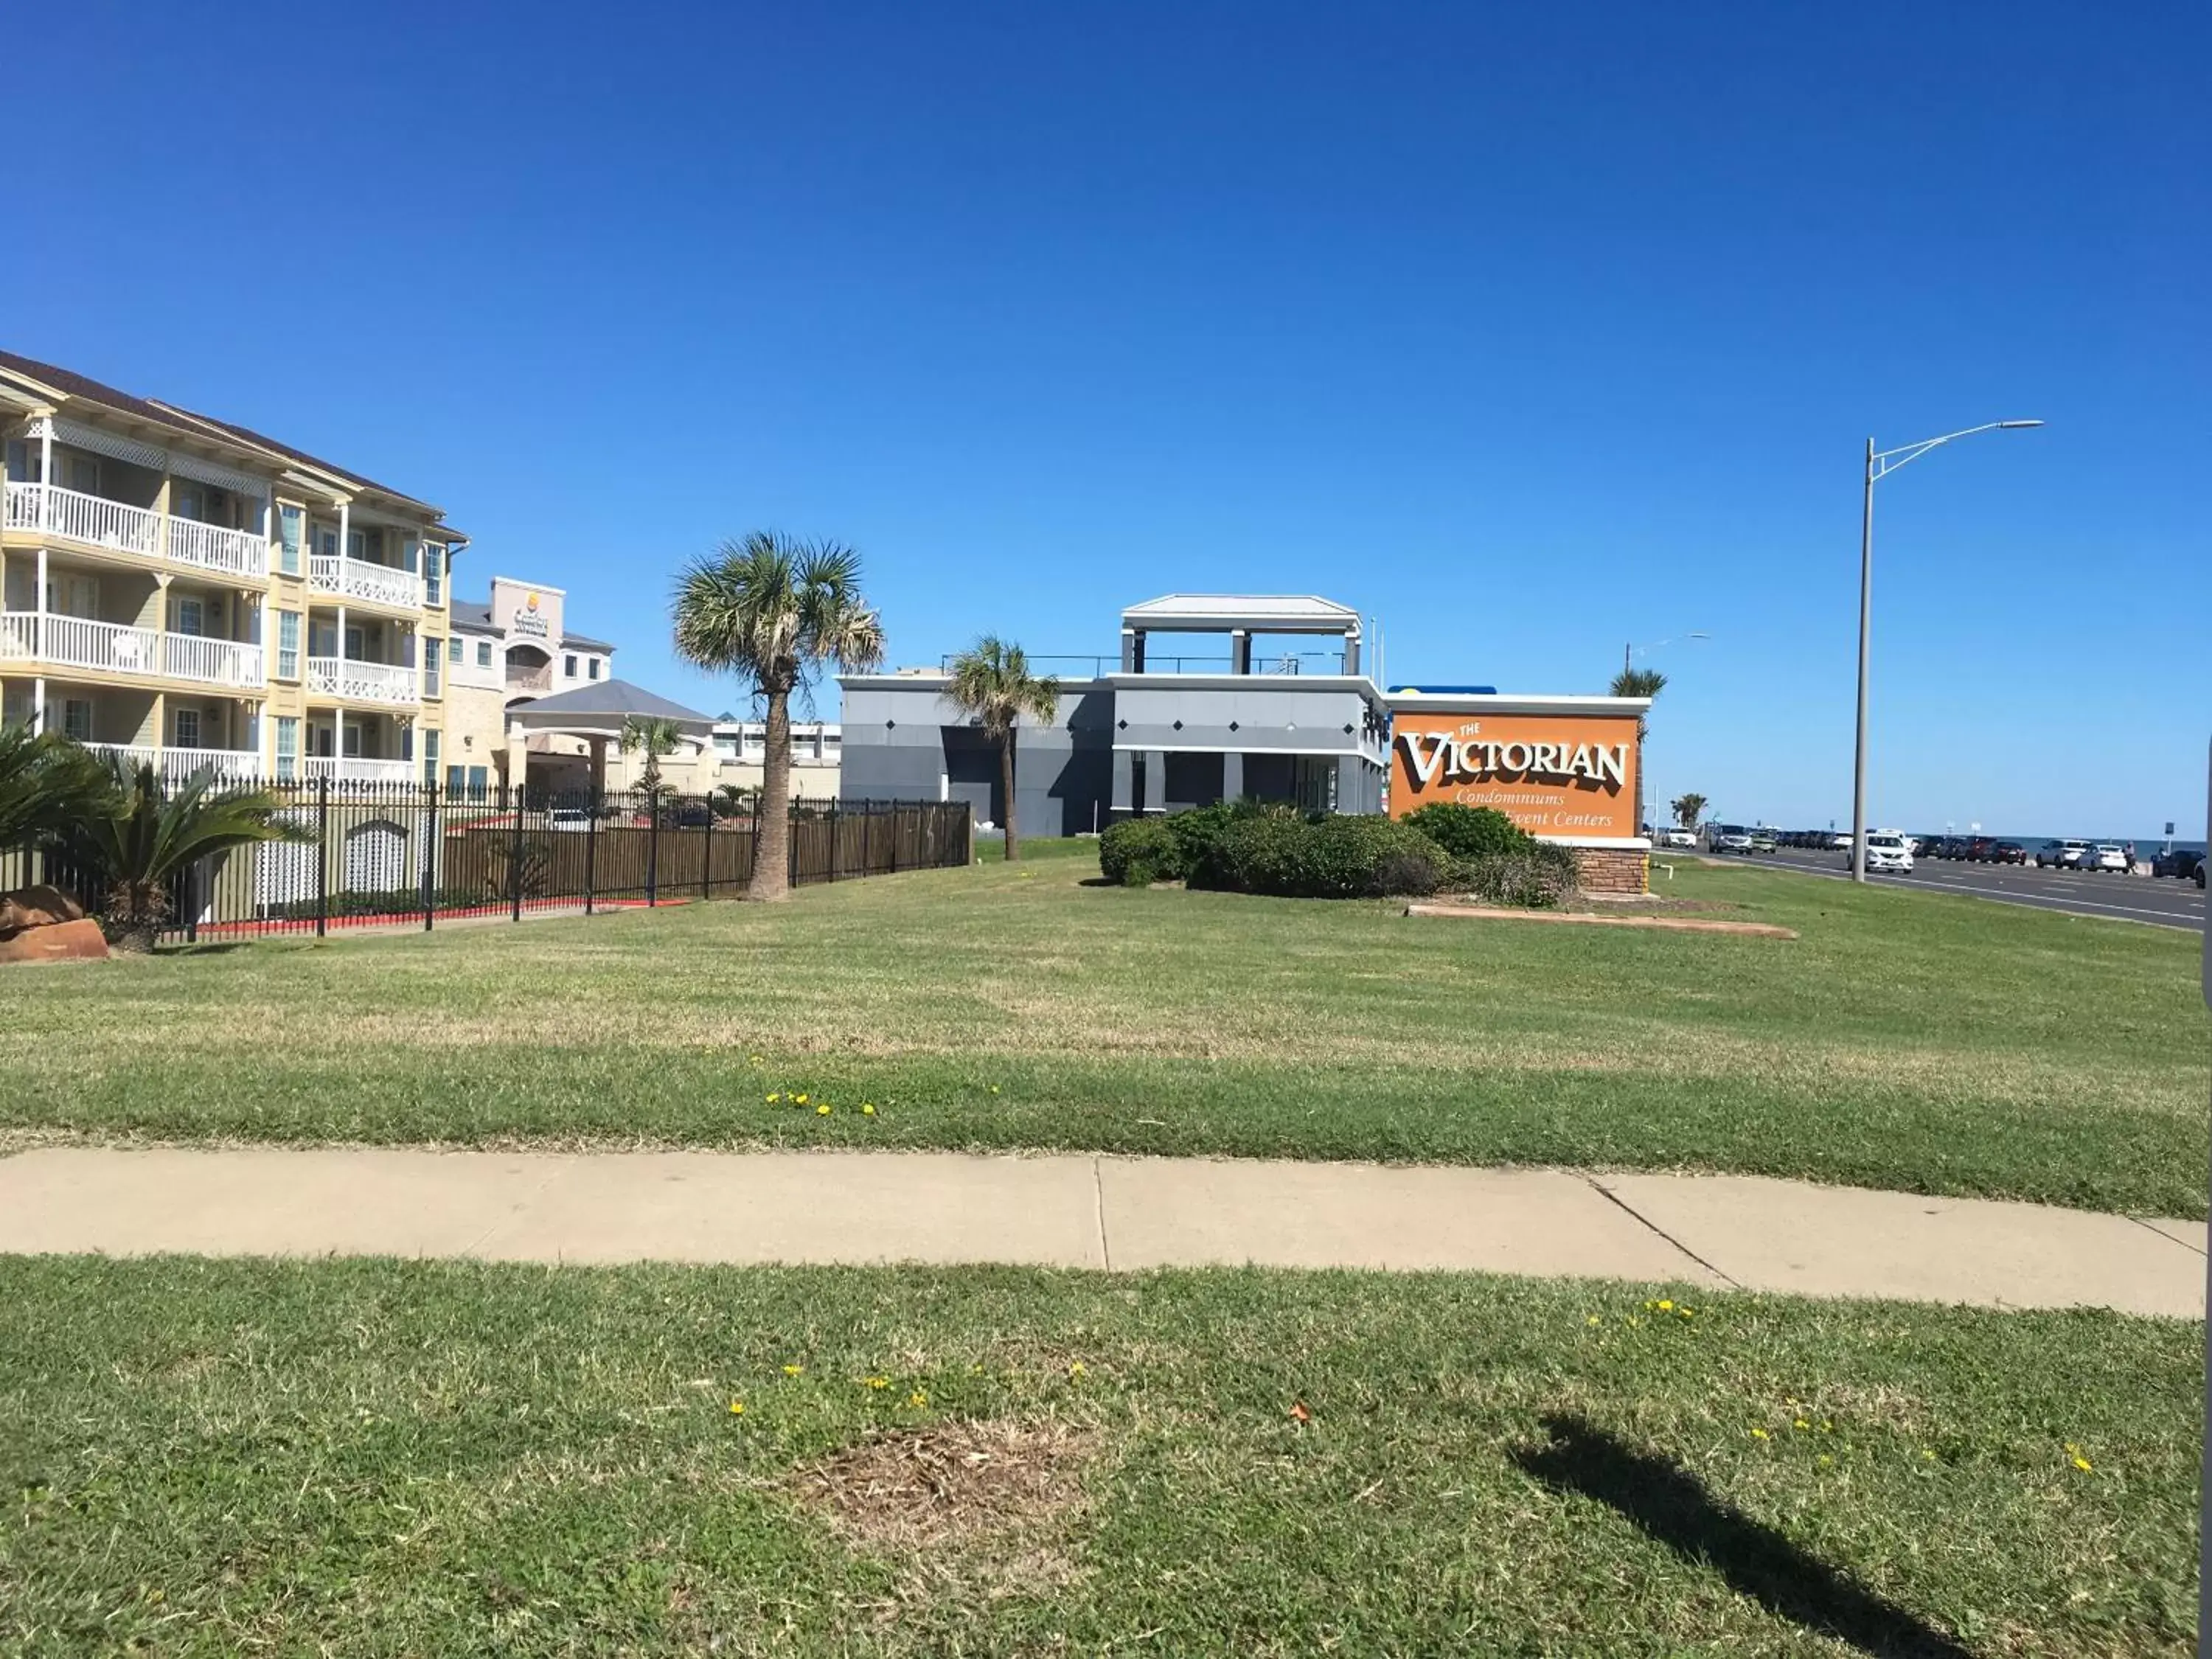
column 1076, row 1369
column 919, row 1397
column 823, row 1110
column 2081, row 1463
column 1801, row 1424
column 1592, row 1320
column 867, row 1109
column 1760, row 1434
column 774, row 1097
column 1825, row 1461
column 801, row 1099
column 756, row 1060
column 879, row 1382
column 795, row 1370
column 737, row 1408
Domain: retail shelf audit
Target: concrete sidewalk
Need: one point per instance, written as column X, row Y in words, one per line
column 1718, row 1231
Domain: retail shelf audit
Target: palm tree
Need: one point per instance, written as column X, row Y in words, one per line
column 992, row 684
column 774, row 609
column 48, row 785
column 1688, row 808
column 653, row 736
column 139, row 837
column 1639, row 683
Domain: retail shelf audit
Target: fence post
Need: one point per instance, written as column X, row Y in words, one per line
column 653, row 847
column 836, row 846
column 707, row 857
column 593, row 802
column 515, row 851
column 323, row 854
column 432, row 846
column 867, row 838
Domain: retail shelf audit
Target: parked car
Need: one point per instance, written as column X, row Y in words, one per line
column 1762, row 839
column 568, row 818
column 1886, row 849
column 1839, row 841
column 2007, row 852
column 2181, row 863
column 2106, row 857
column 1727, row 838
column 1680, row 838
column 2060, row 854
column 1947, row 847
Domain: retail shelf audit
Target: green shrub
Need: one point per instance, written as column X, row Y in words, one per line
column 395, row 901
column 1361, row 856
column 1469, row 832
column 1138, row 852
column 1538, row 877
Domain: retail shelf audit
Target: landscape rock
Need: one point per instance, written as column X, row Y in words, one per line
column 80, row 940
column 36, row 907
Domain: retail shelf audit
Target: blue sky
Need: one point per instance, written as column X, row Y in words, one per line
column 1532, row 330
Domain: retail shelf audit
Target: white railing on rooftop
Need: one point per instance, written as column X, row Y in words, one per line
column 358, row 579
column 362, row 682
column 211, row 547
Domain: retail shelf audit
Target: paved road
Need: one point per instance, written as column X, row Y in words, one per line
column 1112, row 1213
column 2162, row 902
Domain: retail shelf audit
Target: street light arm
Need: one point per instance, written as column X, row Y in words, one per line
column 1887, row 461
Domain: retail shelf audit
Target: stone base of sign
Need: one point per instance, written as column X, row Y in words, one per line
column 1613, row 870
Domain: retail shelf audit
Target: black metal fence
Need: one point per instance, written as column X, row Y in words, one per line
column 377, row 854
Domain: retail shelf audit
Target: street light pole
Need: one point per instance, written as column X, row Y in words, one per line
column 1866, row 625
column 1879, row 463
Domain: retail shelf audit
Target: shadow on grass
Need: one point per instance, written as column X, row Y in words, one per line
column 1673, row 1506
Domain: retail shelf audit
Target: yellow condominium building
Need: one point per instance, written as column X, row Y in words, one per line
column 192, row 593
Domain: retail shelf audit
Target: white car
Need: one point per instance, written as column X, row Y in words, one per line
column 2062, row 854
column 1887, row 850
column 1681, row 838
column 568, row 818
column 1840, row 842
column 2105, row 856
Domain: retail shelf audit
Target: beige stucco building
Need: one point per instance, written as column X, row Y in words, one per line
column 502, row 655
column 194, row 592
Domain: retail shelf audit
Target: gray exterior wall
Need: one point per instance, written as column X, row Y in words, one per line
column 1124, row 744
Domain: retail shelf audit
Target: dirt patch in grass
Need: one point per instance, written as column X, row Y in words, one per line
column 952, row 1485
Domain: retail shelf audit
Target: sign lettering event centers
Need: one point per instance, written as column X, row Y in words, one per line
column 1553, row 775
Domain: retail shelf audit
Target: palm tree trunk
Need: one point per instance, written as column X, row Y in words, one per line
column 1006, row 787
column 771, row 879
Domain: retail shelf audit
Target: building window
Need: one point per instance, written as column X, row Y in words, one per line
column 756, row 744
column 479, row 781
column 832, row 743
column 454, row 777
column 76, row 719
column 483, row 654
column 192, row 617
column 568, row 667
column 431, row 747
column 22, row 462
column 357, row 546
column 595, row 668
column 453, row 649
column 434, row 575
column 326, row 541
column 287, row 748
column 430, row 658
column 289, row 530
column 187, row 722
column 356, row 644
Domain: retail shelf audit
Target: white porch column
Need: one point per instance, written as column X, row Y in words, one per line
column 46, row 488
column 39, row 703
column 345, row 528
column 39, row 638
column 518, row 761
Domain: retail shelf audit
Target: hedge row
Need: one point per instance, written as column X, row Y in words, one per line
column 1247, row 847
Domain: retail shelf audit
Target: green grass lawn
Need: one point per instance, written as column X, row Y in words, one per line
column 366, row 1456
column 1906, row 1039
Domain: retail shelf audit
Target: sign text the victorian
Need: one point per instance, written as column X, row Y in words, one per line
column 1454, row 758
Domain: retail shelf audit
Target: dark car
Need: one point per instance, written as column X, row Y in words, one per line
column 2007, row 852
column 1978, row 849
column 2181, row 863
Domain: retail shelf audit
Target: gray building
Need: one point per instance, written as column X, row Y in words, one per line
column 1294, row 719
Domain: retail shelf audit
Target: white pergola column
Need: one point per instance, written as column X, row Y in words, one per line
column 45, row 484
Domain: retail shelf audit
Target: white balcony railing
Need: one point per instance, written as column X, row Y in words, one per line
column 80, row 642
column 362, row 682
column 210, row 547
column 94, row 518
column 358, row 579
column 219, row 662
column 175, row 765
column 353, row 769
column 124, row 528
